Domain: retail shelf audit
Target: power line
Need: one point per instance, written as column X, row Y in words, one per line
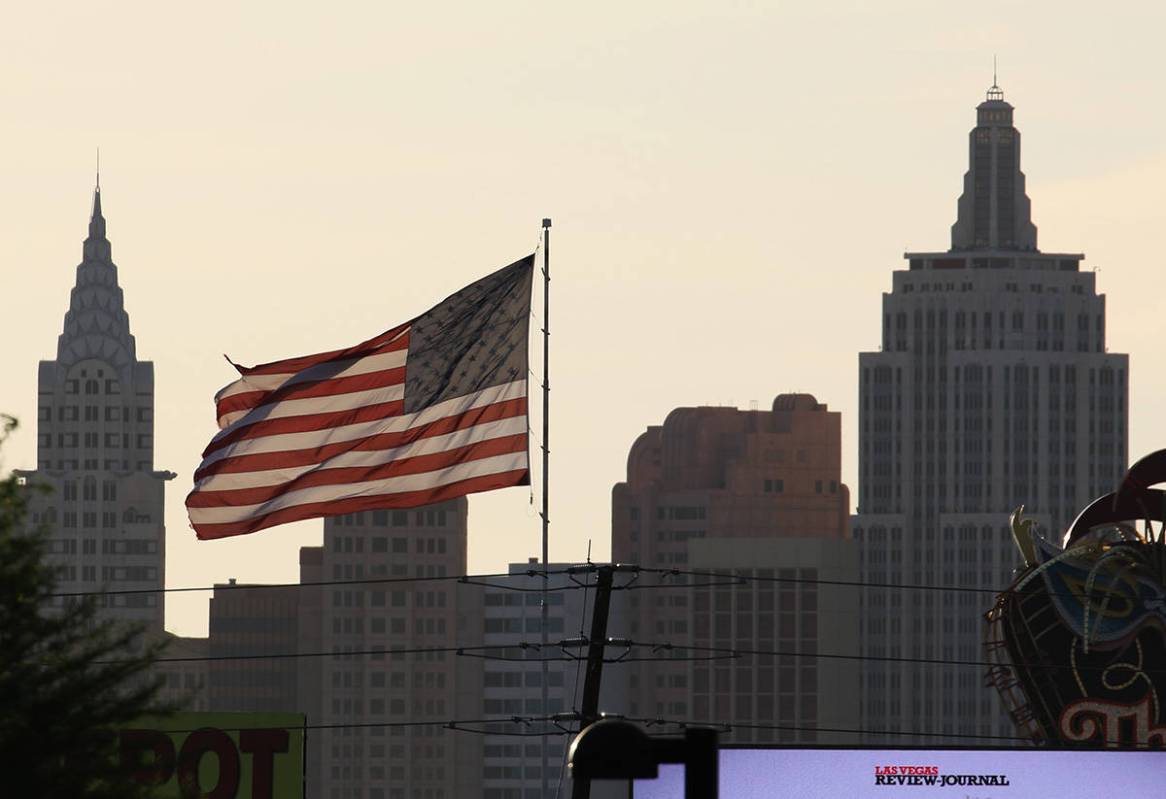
column 711, row 653
column 729, row 578
column 467, row 579
column 716, row 579
column 728, row 727
column 474, row 726
column 457, row 725
column 751, row 578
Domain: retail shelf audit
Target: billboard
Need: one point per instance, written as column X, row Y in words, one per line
column 923, row 774
column 221, row 755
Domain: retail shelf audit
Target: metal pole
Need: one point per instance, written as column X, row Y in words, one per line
column 593, row 680
column 546, row 764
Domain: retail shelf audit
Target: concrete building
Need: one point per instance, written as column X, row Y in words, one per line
column 993, row 388
column 755, row 493
column 185, row 673
column 511, row 766
column 358, row 759
column 247, row 621
column 95, row 448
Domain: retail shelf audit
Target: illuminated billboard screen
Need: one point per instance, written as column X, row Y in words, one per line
column 924, row 773
column 236, row 755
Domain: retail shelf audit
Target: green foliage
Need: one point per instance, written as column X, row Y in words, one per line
column 68, row 681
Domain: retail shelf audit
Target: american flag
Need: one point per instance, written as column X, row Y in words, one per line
column 433, row 409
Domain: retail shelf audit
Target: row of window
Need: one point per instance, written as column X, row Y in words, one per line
column 113, row 413
column 91, row 465
column 530, row 625
column 128, row 546
column 398, row 546
column 397, row 518
column 92, row 387
column 527, row 598
column 88, row 519
column 519, row 679
column 92, row 440
column 109, row 574
column 515, row 707
column 379, row 625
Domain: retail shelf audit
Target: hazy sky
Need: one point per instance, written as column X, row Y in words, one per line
column 731, row 185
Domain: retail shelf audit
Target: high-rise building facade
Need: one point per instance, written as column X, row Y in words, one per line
column 512, row 766
column 356, row 692
column 992, row 389
column 512, row 685
column 95, row 449
column 755, row 494
column 247, row 624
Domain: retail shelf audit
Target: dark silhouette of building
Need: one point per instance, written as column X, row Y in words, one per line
column 246, row 623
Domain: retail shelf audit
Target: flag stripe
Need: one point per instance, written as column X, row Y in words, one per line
column 261, row 431
column 327, row 432
column 346, row 395
column 331, row 475
column 396, row 338
column 275, row 468
column 376, row 370
column 402, row 499
column 412, row 482
column 384, row 359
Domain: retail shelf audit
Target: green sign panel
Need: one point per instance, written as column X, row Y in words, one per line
column 218, row 755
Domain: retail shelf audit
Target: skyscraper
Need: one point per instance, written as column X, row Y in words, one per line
column 755, row 494
column 95, row 448
column 992, row 389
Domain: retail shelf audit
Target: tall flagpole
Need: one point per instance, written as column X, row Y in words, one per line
column 546, row 489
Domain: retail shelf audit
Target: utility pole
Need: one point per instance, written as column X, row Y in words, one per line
column 592, row 679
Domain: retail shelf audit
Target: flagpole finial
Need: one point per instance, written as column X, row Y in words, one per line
column 546, row 222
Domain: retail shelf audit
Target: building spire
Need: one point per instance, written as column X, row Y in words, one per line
column 995, row 92
column 96, row 244
column 96, row 220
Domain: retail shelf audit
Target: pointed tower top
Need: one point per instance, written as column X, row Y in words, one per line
column 96, row 220
column 96, row 324
column 994, row 212
column 995, row 93
column 96, row 244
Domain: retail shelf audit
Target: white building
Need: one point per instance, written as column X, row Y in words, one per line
column 993, row 388
column 95, row 448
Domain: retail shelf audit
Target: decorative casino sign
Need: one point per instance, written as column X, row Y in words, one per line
column 1078, row 640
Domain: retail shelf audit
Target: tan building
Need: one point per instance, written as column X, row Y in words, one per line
column 757, row 493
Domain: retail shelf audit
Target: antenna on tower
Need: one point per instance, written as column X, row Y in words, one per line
column 99, row 167
column 995, row 92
